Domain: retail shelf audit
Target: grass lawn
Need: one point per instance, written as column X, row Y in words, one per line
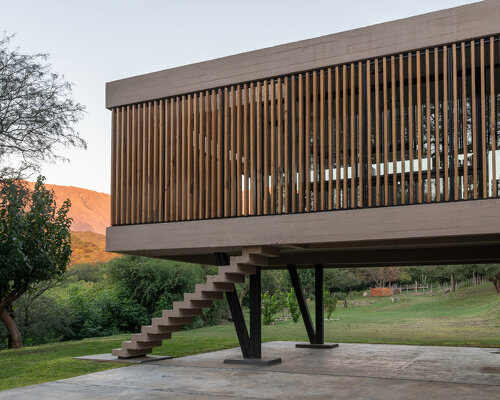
column 469, row 317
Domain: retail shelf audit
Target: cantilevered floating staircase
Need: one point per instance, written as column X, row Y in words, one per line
column 183, row 311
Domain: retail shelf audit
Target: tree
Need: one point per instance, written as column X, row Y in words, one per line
column 383, row 276
column 37, row 112
column 35, row 244
column 492, row 273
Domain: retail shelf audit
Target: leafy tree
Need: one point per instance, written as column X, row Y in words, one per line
column 383, row 276
column 37, row 112
column 271, row 305
column 492, row 273
column 35, row 244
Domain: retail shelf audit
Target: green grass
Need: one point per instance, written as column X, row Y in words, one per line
column 469, row 317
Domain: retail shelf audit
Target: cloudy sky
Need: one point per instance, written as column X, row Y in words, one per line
column 95, row 41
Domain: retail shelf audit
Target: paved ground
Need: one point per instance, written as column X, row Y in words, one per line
column 352, row 371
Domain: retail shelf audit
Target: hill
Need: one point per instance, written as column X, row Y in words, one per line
column 89, row 247
column 90, row 210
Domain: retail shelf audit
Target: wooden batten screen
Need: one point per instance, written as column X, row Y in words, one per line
column 415, row 127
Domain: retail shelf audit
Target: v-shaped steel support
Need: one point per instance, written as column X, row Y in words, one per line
column 316, row 336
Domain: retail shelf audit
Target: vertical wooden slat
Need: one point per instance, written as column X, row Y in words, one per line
column 465, row 129
column 322, row 139
column 301, row 143
column 220, row 155
column 279, row 149
column 266, row 148
column 386, row 133
column 114, row 168
column 172, row 161
column 393, row 128
column 208, row 155
column 473, row 117
column 436, row 124
column 161, row 152
column 369, row 129
column 330, row 139
column 189, row 158
column 196, row 141
column 315, row 140
column 428, row 121
column 214, row 193
column 139, row 173
column 233, row 152
column 259, row 148
column 293, row 144
column 377, row 134
column 455, row 120
column 202, row 150
column 246, row 173
column 239, row 150
column 286, row 144
column 411, row 183
column 493, row 113
column 445, row 124
column 361, row 160
column 145, row 161
column 337, row 139
column 151, row 159
column 252, row 159
column 184, row 159
column 402, row 145
column 166, row 163
column 484, row 169
column 353, row 135
column 419, row 127
column 122, row 159
column 307, row 144
column 133, row 193
column 128, row 166
column 344, row 133
column 227, row 162
column 273, row 147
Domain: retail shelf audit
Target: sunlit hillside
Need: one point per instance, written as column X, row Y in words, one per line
column 89, row 247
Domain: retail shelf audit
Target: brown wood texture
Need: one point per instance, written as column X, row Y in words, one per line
column 347, row 136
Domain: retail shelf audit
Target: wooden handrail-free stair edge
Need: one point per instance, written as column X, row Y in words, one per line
column 182, row 312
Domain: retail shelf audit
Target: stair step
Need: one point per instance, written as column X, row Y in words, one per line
column 182, row 312
column 150, row 337
column 131, row 345
column 171, row 321
column 193, row 304
column 241, row 268
column 204, row 296
column 160, row 330
column 125, row 353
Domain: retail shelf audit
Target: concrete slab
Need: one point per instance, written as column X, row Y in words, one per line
column 353, row 371
column 107, row 357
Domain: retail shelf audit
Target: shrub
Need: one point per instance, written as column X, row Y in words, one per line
column 293, row 305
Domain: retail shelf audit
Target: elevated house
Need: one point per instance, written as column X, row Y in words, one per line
column 372, row 147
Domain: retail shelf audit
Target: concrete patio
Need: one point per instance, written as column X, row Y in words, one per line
column 352, row 371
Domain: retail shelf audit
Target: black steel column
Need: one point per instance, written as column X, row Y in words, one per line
column 304, row 310
column 239, row 323
column 318, row 294
column 255, row 315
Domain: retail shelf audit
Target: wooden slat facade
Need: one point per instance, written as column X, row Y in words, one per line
column 411, row 127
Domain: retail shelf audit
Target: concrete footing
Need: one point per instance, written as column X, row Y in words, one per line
column 107, row 357
column 316, row 346
column 253, row 361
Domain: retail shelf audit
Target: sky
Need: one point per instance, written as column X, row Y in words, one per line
column 96, row 41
